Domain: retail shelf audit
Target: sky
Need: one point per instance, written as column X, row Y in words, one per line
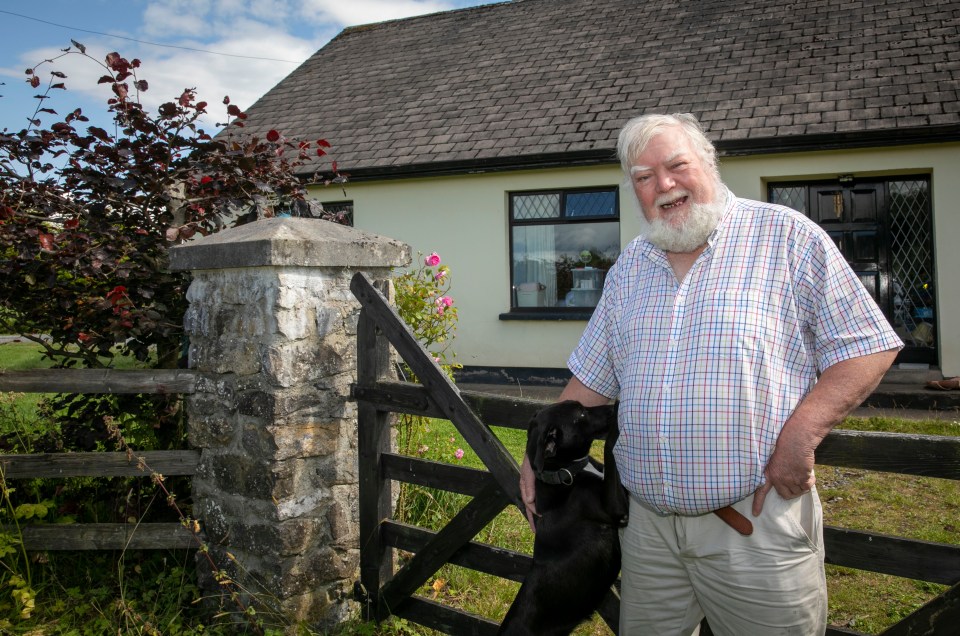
column 235, row 48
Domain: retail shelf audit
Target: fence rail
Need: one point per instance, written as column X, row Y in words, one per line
column 58, row 465
column 98, row 381
column 101, row 536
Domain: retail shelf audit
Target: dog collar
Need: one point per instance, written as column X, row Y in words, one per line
column 564, row 476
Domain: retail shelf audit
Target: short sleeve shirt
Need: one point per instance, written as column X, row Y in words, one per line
column 708, row 369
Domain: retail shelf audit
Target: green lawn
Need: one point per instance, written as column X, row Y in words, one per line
column 21, row 355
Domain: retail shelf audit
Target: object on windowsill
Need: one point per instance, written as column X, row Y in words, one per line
column 947, row 384
column 531, row 294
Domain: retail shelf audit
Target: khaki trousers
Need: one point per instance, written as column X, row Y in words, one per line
column 677, row 569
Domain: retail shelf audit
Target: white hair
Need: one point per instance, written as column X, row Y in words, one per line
column 637, row 133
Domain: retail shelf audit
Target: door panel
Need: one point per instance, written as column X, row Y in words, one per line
column 865, row 203
column 827, row 205
column 852, row 216
column 863, row 247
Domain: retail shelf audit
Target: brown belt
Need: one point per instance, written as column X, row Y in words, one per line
column 735, row 520
column 728, row 514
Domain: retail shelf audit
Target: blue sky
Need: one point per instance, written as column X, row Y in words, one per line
column 240, row 48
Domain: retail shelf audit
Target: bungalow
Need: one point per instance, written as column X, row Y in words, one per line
column 487, row 134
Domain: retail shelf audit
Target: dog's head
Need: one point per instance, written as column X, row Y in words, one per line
column 562, row 432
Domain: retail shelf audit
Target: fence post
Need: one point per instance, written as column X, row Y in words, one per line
column 272, row 327
column 376, row 496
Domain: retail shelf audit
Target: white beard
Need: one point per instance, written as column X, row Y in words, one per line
column 701, row 220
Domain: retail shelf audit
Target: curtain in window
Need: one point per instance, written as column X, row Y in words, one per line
column 536, row 261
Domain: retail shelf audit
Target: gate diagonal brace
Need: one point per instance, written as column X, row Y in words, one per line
column 461, row 529
column 443, row 392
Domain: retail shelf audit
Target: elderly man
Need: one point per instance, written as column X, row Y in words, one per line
column 735, row 336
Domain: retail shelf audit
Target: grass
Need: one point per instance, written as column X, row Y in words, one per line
column 920, row 508
column 19, row 355
column 16, row 356
column 23, row 354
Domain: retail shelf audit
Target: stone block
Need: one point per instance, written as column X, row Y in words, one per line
column 298, row 323
column 289, row 440
column 343, row 516
column 280, row 539
column 241, row 322
column 288, row 364
column 213, row 430
column 235, row 474
column 224, row 355
column 306, row 402
column 256, row 403
column 331, row 319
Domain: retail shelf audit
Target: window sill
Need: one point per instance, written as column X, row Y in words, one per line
column 520, row 314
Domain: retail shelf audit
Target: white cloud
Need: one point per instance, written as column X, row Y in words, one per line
column 369, row 11
column 81, row 74
column 206, row 19
column 177, row 18
column 244, row 79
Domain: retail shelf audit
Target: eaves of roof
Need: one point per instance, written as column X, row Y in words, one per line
column 726, row 148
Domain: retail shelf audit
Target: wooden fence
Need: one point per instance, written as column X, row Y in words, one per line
column 387, row 592
column 101, row 536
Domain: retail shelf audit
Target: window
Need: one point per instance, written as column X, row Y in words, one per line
column 562, row 242
column 339, row 211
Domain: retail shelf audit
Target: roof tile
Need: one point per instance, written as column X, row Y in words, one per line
column 539, row 77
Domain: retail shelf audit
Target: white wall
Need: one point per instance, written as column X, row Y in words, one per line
column 464, row 219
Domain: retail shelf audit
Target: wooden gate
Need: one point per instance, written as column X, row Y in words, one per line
column 385, row 592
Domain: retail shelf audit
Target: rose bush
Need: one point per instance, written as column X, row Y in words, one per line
column 422, row 302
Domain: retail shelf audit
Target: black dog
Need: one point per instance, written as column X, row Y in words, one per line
column 576, row 550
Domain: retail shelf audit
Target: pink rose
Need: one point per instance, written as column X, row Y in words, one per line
column 432, row 261
column 459, row 453
column 439, row 275
column 442, row 303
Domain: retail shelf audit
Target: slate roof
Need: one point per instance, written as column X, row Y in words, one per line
column 548, row 82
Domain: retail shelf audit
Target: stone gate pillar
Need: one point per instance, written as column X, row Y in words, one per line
column 272, row 332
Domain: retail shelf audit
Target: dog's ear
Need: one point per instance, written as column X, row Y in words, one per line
column 532, row 424
column 534, row 443
column 550, row 442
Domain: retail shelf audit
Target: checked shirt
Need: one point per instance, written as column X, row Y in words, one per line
column 707, row 370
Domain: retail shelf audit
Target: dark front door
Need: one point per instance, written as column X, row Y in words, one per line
column 853, row 217
column 883, row 228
